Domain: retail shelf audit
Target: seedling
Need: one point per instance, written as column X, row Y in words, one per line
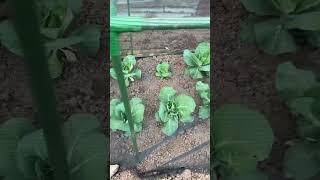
column 130, row 74
column 24, row 153
column 204, row 92
column 55, row 18
column 198, row 62
column 174, row 108
column 277, row 25
column 118, row 118
column 163, row 70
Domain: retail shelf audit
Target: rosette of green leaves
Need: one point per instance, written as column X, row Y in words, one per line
column 204, row 92
column 118, row 119
column 55, row 17
column 198, row 62
column 277, row 25
column 174, row 108
column 163, row 70
column 23, row 152
column 130, row 74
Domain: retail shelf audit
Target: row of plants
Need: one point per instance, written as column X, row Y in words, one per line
column 242, row 137
column 63, row 42
column 173, row 107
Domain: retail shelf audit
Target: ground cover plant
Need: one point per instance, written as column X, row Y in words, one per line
column 55, row 20
column 118, row 119
column 174, row 108
column 24, row 155
column 198, row 63
column 279, row 27
column 129, row 72
column 300, row 90
column 204, row 92
column 163, row 70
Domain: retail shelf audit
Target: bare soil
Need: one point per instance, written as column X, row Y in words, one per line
column 157, row 149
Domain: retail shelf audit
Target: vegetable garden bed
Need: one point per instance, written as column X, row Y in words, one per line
column 166, row 148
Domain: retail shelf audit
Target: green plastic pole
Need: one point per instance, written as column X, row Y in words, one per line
column 28, row 31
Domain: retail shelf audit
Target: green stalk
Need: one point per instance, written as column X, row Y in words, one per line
column 116, row 62
column 28, row 31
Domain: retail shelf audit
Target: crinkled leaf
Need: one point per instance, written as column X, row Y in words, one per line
column 186, row 106
column 300, row 162
column 170, row 127
column 137, row 109
column 162, row 112
column 205, row 68
column 260, row 7
column 238, row 145
column 137, row 73
column 292, row 82
column 188, row 57
column 273, row 38
column 166, row 94
column 11, row 132
column 9, row 38
column 203, row 50
column 305, row 21
column 129, row 60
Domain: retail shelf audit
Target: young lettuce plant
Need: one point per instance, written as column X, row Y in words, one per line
column 55, row 18
column 300, row 90
column 174, row 108
column 204, row 92
column 24, row 154
column 128, row 70
column 198, row 62
column 276, row 25
column 163, row 70
column 118, row 119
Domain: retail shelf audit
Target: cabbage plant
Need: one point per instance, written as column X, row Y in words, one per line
column 204, row 93
column 130, row 74
column 163, row 70
column 174, row 108
column 198, row 62
column 118, row 118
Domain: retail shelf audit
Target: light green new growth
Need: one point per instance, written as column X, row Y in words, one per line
column 163, row 70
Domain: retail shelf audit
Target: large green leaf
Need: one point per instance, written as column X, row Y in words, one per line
column 292, row 82
column 300, row 162
column 167, row 93
column 307, row 4
column 170, row 126
column 186, row 105
column 260, row 7
column 242, row 137
column 62, row 43
column 273, row 38
column 9, row 38
column 10, row 134
column 90, row 38
column 306, row 21
column 285, row 6
column 75, row 5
